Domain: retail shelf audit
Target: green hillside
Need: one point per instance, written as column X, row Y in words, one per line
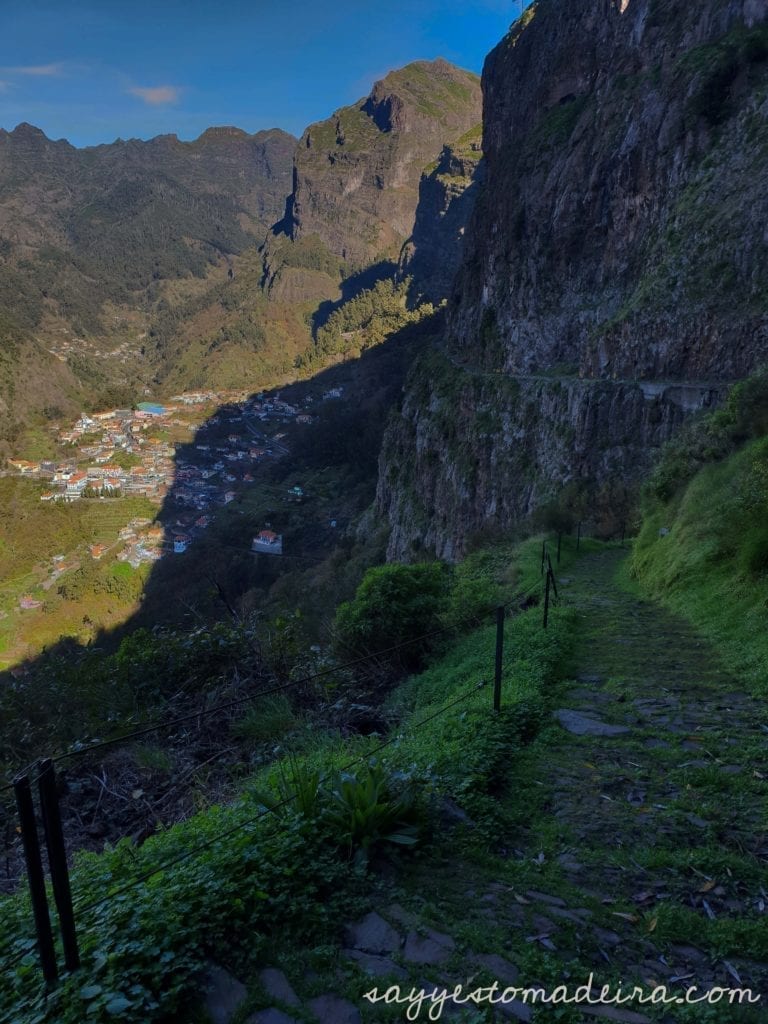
column 143, row 951
column 703, row 544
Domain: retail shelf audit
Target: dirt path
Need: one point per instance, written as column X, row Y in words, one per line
column 633, row 844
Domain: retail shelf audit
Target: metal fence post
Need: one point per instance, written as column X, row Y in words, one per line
column 57, row 861
column 552, row 577
column 36, row 878
column 546, row 601
column 499, row 659
column 543, row 555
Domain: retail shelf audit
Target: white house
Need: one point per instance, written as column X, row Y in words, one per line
column 268, row 543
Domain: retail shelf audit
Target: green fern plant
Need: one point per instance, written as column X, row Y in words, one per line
column 296, row 791
column 364, row 812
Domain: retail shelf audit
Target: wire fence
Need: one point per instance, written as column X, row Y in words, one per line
column 42, row 776
column 375, row 656
column 285, row 802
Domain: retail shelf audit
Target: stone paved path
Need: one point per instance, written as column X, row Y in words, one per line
column 637, row 844
column 666, row 818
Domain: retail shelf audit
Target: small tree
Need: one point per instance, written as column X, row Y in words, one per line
column 393, row 605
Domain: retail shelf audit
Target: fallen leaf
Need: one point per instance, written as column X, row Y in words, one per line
column 632, row 918
column 652, row 924
column 708, row 886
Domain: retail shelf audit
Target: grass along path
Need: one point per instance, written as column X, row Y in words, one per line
column 636, row 852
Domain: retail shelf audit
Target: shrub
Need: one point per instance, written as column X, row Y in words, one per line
column 367, row 810
column 393, row 605
column 711, row 438
column 354, row 812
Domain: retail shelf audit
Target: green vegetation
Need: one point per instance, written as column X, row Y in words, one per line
column 703, row 545
column 434, row 95
column 394, row 604
column 717, row 68
column 235, row 887
column 361, row 811
column 468, row 144
column 107, row 694
column 268, row 719
column 519, row 26
column 364, row 321
column 557, row 125
column 79, row 595
column 306, row 253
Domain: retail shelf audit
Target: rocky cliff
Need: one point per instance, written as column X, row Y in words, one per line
column 615, row 277
column 356, row 176
column 447, row 194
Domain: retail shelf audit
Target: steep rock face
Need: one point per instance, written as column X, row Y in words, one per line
column 616, row 254
column 356, row 175
column 447, row 194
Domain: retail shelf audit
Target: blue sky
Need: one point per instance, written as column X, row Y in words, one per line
column 95, row 70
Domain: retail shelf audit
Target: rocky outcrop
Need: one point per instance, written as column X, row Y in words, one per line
column 447, row 194
column 615, row 276
column 356, row 175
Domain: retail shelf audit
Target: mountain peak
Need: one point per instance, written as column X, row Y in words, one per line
column 370, row 156
column 24, row 128
column 218, row 132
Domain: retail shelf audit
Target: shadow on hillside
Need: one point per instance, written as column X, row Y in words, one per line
column 239, row 476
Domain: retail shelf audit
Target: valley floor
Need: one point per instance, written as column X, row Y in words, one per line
column 633, row 847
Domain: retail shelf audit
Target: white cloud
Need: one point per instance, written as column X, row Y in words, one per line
column 158, row 95
column 38, row 70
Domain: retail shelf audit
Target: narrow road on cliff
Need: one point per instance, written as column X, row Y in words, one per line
column 572, row 378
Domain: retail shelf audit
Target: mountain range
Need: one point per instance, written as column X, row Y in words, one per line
column 599, row 240
column 137, row 265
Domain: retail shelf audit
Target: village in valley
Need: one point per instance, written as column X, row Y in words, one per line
column 192, row 456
